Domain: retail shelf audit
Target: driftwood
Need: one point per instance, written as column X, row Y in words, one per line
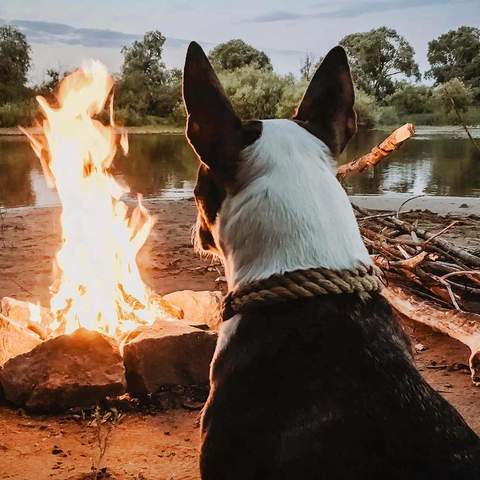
column 464, row 327
column 379, row 152
column 431, row 280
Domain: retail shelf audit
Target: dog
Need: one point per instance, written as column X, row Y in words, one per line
column 315, row 388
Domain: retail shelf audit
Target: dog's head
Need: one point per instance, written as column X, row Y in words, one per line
column 264, row 185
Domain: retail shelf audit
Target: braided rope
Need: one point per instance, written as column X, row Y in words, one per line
column 304, row 284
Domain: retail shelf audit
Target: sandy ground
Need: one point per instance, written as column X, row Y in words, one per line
column 158, row 444
column 442, row 205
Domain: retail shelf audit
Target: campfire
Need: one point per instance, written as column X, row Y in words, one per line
column 98, row 284
column 105, row 332
column 103, row 326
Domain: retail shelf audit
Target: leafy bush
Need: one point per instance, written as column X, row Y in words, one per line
column 388, row 116
column 453, row 91
column 17, row 113
column 366, row 108
column 255, row 93
column 292, row 95
column 410, row 98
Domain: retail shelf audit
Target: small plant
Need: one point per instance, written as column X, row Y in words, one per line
column 104, row 423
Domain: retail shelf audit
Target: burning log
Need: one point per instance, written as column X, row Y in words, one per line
column 464, row 327
column 379, row 152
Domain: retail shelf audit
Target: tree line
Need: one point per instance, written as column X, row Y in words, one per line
column 386, row 76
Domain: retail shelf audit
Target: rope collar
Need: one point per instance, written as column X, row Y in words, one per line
column 298, row 284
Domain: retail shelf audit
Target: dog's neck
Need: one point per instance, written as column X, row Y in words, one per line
column 290, row 212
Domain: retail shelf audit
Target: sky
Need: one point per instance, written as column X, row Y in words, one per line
column 64, row 32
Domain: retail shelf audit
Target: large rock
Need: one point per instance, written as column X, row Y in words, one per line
column 167, row 353
column 199, row 308
column 15, row 339
column 21, row 312
column 74, row 370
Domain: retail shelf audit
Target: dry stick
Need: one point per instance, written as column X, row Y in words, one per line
column 441, row 232
column 461, row 272
column 408, row 200
column 439, row 242
column 379, row 152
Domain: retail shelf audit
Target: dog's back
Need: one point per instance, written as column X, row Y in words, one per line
column 321, row 387
column 326, row 388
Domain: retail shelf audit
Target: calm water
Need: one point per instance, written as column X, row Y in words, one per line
column 437, row 161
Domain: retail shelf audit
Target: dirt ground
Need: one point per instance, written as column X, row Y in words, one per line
column 156, row 444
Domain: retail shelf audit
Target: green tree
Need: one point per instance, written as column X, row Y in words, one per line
column 376, row 57
column 143, row 75
column 309, row 66
column 456, row 54
column 15, row 62
column 410, row 98
column 236, row 54
column 454, row 95
column 255, row 93
column 50, row 84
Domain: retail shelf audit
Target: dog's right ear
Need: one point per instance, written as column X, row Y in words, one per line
column 213, row 128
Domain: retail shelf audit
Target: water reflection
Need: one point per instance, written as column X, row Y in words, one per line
column 435, row 161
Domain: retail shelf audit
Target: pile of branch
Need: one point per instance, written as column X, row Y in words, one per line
column 422, row 262
column 431, row 280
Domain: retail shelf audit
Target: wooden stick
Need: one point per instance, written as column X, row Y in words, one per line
column 379, row 152
column 439, row 242
column 462, row 326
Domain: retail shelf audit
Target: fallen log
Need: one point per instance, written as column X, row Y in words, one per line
column 379, row 152
column 462, row 326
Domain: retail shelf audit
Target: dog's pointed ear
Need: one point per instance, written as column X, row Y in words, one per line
column 213, row 128
column 326, row 109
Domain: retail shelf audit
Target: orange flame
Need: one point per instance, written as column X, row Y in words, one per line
column 99, row 285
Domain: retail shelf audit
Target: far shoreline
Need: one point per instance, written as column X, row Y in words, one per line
column 179, row 130
column 140, row 130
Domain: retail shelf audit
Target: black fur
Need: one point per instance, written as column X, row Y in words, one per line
column 326, row 109
column 326, row 388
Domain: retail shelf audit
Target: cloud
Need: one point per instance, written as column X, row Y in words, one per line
column 277, row 16
column 350, row 9
column 49, row 32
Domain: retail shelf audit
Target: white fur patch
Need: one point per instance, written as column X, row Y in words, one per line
column 291, row 213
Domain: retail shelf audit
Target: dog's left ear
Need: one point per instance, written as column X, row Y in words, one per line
column 213, row 128
column 326, row 109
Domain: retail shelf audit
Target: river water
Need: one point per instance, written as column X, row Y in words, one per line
column 436, row 161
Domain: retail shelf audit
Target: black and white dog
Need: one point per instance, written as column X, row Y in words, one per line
column 321, row 388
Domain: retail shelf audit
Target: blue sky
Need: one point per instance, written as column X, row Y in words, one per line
column 63, row 32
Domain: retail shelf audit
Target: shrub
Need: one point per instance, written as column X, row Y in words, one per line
column 412, row 98
column 366, row 108
column 388, row 116
column 17, row 113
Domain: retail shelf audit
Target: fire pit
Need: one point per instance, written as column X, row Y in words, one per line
column 105, row 331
